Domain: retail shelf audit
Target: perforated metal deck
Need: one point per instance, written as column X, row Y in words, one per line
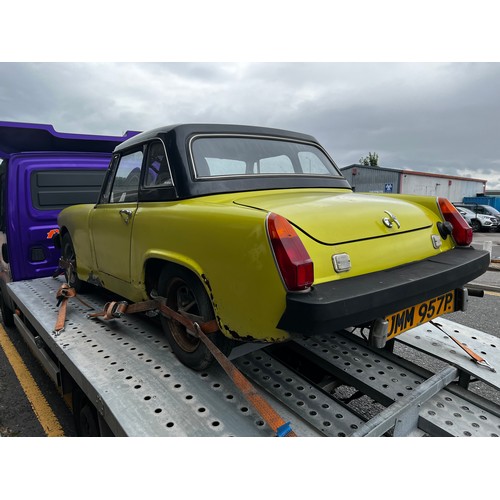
column 428, row 338
column 388, row 379
column 128, row 371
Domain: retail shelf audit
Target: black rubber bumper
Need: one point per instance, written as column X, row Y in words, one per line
column 355, row 301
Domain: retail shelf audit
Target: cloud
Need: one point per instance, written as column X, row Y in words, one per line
column 438, row 117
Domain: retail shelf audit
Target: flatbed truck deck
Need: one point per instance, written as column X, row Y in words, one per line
column 123, row 380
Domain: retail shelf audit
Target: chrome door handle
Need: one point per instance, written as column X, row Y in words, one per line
column 126, row 215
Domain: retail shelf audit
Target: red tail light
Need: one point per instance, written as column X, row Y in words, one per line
column 294, row 263
column 462, row 232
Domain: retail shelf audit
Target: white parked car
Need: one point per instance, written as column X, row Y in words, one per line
column 477, row 221
column 485, row 210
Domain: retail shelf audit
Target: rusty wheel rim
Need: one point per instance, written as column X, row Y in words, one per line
column 182, row 299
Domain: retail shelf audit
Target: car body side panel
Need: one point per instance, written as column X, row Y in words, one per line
column 75, row 220
column 229, row 252
column 111, row 227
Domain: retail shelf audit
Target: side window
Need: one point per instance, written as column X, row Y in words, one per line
column 108, row 178
column 157, row 171
column 126, row 184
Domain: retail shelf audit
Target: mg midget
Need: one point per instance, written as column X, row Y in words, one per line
column 258, row 229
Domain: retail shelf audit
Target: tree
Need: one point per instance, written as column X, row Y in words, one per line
column 370, row 160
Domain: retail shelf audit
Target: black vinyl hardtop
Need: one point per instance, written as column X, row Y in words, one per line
column 176, row 139
column 183, row 132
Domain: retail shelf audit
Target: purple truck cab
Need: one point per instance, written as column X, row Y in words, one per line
column 41, row 172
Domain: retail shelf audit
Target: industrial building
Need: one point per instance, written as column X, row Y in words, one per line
column 364, row 178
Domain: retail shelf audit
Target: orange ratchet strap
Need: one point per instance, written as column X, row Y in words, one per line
column 65, row 293
column 267, row 412
column 116, row 309
column 272, row 418
column 113, row 310
column 475, row 357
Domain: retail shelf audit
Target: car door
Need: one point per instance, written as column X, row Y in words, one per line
column 112, row 219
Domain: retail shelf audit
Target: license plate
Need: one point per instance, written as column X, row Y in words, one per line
column 421, row 313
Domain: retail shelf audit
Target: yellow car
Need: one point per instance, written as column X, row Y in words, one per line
column 257, row 228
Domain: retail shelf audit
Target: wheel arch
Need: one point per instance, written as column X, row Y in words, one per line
column 155, row 265
column 62, row 231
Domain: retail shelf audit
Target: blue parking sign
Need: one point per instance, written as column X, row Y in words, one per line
column 388, row 188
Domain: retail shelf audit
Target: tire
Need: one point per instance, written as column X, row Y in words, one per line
column 68, row 253
column 180, row 287
column 85, row 415
column 7, row 313
column 475, row 225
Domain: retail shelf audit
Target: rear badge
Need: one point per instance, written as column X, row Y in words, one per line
column 388, row 221
column 341, row 262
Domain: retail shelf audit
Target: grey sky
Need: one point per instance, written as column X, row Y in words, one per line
column 437, row 117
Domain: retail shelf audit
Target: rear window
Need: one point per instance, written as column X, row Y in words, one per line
column 237, row 156
column 55, row 190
